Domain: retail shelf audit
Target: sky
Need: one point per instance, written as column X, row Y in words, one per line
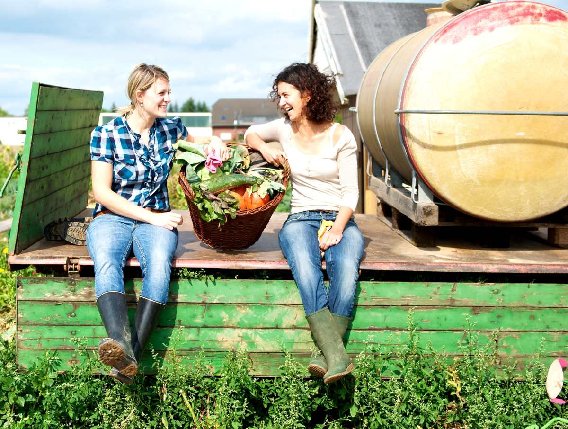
column 211, row 49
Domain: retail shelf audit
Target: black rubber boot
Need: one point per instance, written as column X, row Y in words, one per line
column 116, row 350
column 318, row 364
column 324, row 331
column 146, row 318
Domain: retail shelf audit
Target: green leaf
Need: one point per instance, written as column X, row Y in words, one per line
column 190, row 158
column 197, row 148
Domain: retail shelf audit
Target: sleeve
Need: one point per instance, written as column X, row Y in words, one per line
column 269, row 132
column 180, row 129
column 101, row 146
column 347, row 166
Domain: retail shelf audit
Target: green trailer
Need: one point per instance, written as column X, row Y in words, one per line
column 514, row 299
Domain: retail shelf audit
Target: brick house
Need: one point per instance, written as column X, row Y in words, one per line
column 232, row 116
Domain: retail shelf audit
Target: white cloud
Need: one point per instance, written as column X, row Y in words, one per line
column 211, row 49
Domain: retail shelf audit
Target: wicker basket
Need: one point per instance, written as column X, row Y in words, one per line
column 238, row 233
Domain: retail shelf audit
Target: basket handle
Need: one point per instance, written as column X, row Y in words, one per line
column 185, row 186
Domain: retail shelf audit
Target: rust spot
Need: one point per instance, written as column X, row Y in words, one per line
column 488, row 18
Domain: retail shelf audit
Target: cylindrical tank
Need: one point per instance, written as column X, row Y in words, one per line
column 482, row 106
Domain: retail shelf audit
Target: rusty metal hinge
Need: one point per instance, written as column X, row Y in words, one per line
column 72, row 267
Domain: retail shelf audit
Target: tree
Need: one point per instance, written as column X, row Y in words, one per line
column 189, row 105
column 192, row 106
column 202, row 107
column 3, row 113
column 173, row 107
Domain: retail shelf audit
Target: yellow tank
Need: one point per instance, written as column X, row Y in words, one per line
column 477, row 106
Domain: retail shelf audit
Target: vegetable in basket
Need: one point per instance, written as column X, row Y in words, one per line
column 222, row 189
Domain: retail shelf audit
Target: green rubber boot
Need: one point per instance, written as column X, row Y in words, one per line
column 324, row 331
column 318, row 365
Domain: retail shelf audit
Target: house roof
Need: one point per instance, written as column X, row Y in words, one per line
column 229, row 112
column 350, row 34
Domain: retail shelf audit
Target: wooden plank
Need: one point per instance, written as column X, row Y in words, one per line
column 262, row 364
column 59, row 141
column 265, row 364
column 59, row 98
column 20, row 239
column 51, row 121
column 59, row 183
column 425, row 214
column 64, row 165
column 284, row 292
column 298, row 340
column 387, row 255
column 518, row 320
column 291, row 317
column 558, row 236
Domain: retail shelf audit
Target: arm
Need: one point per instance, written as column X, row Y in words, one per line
column 256, row 137
column 347, row 166
column 101, row 174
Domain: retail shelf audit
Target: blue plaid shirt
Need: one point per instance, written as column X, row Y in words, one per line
column 140, row 172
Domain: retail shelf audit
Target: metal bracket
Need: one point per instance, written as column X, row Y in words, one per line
column 72, row 267
column 419, row 191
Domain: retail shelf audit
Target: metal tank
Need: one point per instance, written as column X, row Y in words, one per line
column 477, row 107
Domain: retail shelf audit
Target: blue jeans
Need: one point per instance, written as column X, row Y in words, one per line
column 111, row 239
column 299, row 243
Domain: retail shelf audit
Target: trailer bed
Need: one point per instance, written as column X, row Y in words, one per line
column 385, row 250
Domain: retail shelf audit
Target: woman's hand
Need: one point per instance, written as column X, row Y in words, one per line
column 168, row 220
column 273, row 155
column 330, row 238
column 217, row 146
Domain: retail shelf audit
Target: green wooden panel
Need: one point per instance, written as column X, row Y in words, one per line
column 59, row 98
column 65, row 202
column 295, row 340
column 64, row 166
column 57, row 142
column 283, row 292
column 52, row 110
column 57, row 185
column 266, row 318
column 264, row 364
column 292, row 316
column 52, row 121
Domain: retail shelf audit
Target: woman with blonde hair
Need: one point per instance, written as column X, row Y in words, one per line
column 131, row 159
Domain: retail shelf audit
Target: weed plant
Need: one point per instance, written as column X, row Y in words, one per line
column 428, row 390
column 411, row 387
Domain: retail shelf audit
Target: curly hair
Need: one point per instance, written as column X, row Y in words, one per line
column 305, row 77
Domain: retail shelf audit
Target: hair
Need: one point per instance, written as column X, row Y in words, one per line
column 141, row 78
column 322, row 105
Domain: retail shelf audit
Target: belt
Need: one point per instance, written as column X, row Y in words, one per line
column 107, row 211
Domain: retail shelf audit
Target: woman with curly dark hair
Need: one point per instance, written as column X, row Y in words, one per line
column 323, row 165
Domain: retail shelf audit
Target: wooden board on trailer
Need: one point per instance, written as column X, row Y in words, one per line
column 55, row 172
column 385, row 250
column 267, row 319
